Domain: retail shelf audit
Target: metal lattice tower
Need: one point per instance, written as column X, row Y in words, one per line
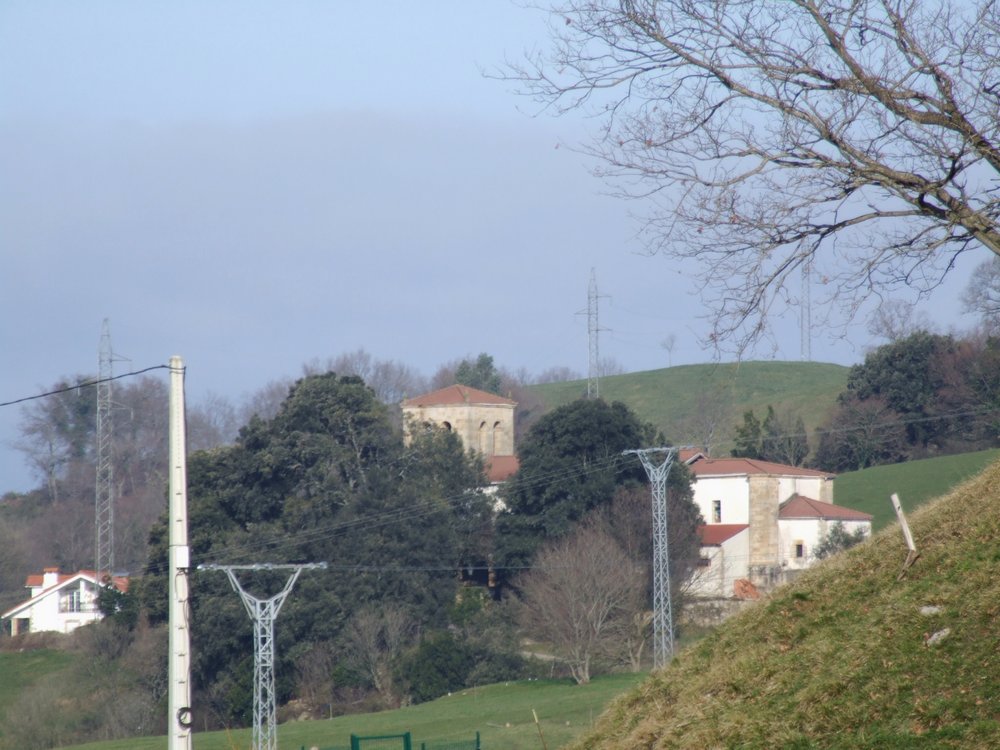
column 593, row 333
column 806, row 317
column 663, row 617
column 263, row 613
column 104, row 503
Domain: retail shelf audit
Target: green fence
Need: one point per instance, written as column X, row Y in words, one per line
column 383, row 742
column 452, row 745
column 401, row 742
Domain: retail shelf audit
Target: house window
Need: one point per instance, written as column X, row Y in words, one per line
column 716, row 511
column 71, row 602
column 800, row 550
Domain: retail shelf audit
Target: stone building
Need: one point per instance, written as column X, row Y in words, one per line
column 763, row 520
column 483, row 421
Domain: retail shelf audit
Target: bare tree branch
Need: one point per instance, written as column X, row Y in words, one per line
column 859, row 136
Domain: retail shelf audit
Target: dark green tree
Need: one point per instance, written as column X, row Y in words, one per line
column 481, row 374
column 784, row 439
column 571, row 462
column 906, row 376
column 749, row 437
column 779, row 438
column 327, row 479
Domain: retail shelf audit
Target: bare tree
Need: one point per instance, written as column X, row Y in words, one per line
column 858, row 137
column 982, row 295
column 668, row 343
column 392, row 381
column 709, row 423
column 375, row 637
column 265, row 401
column 895, row 319
column 581, row 597
column 558, row 375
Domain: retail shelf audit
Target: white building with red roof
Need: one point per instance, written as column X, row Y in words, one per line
column 483, row 421
column 59, row 602
column 763, row 522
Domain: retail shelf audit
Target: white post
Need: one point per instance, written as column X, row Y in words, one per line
column 911, row 554
column 179, row 689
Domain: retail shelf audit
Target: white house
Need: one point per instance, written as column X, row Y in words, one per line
column 58, row 602
column 763, row 522
column 803, row 524
column 725, row 548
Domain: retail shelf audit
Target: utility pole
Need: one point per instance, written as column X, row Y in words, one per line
column 104, row 501
column 179, row 613
column 663, row 617
column 263, row 612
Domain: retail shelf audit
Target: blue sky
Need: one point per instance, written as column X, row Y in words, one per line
column 253, row 185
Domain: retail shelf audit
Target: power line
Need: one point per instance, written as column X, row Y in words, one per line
column 83, row 384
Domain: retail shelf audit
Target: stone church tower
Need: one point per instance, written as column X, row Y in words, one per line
column 484, row 422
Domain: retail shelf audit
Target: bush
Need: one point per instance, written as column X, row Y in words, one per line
column 439, row 664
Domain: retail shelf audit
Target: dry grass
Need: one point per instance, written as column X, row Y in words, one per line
column 840, row 659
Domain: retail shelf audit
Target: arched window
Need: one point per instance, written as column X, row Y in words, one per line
column 484, row 440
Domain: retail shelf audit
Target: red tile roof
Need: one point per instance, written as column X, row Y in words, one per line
column 501, row 468
column 798, row 506
column 687, row 455
column 728, row 466
column 36, row 580
column 457, row 394
column 712, row 535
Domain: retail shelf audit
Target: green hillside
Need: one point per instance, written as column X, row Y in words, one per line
column 678, row 400
column 848, row 656
column 915, row 482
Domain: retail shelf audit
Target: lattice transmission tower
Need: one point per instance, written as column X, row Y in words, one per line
column 663, row 616
column 104, row 502
column 263, row 612
column 593, row 337
column 805, row 319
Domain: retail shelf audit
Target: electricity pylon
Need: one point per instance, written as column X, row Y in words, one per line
column 593, row 333
column 663, row 616
column 263, row 612
column 104, row 501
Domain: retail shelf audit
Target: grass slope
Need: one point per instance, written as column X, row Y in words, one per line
column 915, row 482
column 672, row 398
column 500, row 713
column 842, row 658
column 20, row 670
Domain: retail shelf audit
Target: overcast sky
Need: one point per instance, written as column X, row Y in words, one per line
column 253, row 185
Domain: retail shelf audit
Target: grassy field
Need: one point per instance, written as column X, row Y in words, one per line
column 915, row 482
column 673, row 398
column 850, row 656
column 20, row 670
column 502, row 714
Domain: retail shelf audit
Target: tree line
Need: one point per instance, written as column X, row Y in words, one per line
column 924, row 394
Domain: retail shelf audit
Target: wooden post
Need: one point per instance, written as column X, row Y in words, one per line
column 912, row 554
column 539, row 726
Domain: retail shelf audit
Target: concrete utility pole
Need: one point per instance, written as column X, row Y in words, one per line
column 663, row 617
column 179, row 668
column 263, row 613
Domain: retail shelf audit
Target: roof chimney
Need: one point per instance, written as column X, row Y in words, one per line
column 50, row 577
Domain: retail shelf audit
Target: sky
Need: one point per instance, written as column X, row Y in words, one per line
column 255, row 185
